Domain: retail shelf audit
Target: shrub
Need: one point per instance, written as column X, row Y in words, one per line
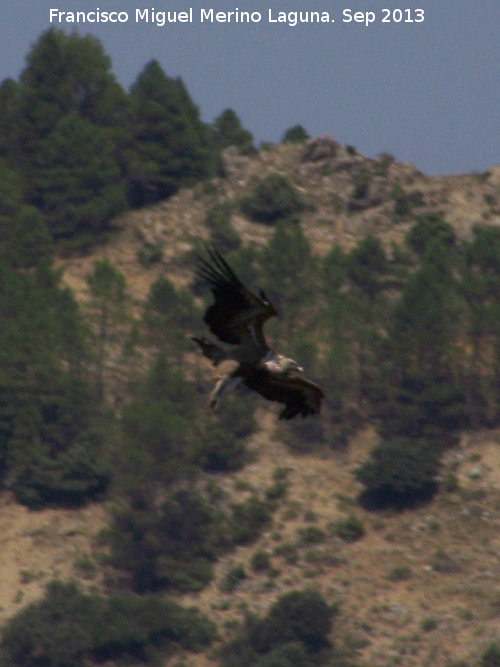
column 312, row 535
column 271, row 199
column 384, row 161
column 293, row 634
column 76, row 476
column 277, row 490
column 399, row 573
column 292, row 654
column 249, row 519
column 233, row 577
column 306, row 435
column 429, row 227
column 261, row 561
column 299, row 616
column 150, row 254
column 450, row 482
column 68, row 627
column 288, row 552
column 294, row 135
column 221, row 451
column 170, row 546
column 428, row 624
column 223, row 236
column 402, row 203
column 350, row 529
column 443, row 563
column 360, row 191
column 491, row 656
column 400, row 472
column 361, row 185
column 223, row 444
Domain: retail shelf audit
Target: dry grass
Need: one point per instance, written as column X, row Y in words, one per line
column 37, row 547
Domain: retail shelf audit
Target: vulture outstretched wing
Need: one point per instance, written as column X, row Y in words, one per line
column 237, row 312
column 299, row 395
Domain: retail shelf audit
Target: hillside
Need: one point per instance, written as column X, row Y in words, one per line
column 325, row 172
column 420, row 587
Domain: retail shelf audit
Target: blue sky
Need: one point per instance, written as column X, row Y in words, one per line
column 428, row 92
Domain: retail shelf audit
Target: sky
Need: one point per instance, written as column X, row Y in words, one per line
column 385, row 81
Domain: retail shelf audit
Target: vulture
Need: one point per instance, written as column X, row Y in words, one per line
column 236, row 318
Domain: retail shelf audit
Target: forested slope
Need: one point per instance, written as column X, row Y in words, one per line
column 377, row 521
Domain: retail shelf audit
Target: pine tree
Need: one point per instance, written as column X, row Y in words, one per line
column 11, row 196
column 107, row 289
column 77, row 184
column 157, row 425
column 168, row 314
column 169, row 146
column 480, row 288
column 228, row 131
column 426, row 317
column 66, row 74
column 294, row 135
column 428, row 228
column 339, row 322
column 366, row 267
column 45, row 402
column 288, row 268
column 9, row 93
column 61, row 129
column 424, row 397
column 27, row 240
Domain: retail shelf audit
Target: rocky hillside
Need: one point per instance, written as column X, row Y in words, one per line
column 415, row 588
column 327, row 175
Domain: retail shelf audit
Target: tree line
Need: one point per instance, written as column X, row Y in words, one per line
column 78, row 149
column 408, row 340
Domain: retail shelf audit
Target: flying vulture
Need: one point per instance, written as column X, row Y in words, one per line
column 236, row 318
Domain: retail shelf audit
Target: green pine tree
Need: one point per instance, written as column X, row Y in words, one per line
column 428, row 228
column 66, row 74
column 340, row 326
column 11, row 197
column 289, row 272
column 61, row 129
column 9, row 96
column 228, row 131
column 168, row 314
column 423, row 394
column 157, row 427
column 169, row 143
column 27, row 240
column 45, row 399
column 77, row 183
column 367, row 269
column 480, row 288
column 108, row 303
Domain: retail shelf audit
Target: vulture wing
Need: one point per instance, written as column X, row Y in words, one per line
column 236, row 312
column 299, row 395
